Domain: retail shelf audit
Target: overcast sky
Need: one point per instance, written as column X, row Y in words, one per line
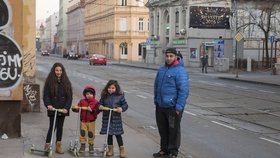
column 45, row 8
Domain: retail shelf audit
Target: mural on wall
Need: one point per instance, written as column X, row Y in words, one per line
column 4, row 14
column 209, row 17
column 10, row 55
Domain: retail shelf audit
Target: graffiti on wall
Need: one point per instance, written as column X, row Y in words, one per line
column 10, row 54
column 29, row 63
column 31, row 94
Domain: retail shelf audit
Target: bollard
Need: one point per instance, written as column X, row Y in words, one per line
column 249, row 67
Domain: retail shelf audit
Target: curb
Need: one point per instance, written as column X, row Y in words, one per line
column 142, row 67
column 249, row 81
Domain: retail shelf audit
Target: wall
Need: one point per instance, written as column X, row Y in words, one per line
column 22, row 31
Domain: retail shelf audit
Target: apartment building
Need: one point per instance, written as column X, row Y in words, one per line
column 193, row 27
column 116, row 28
column 75, row 29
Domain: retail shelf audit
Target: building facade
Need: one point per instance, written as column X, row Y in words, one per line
column 193, row 27
column 62, row 27
column 116, row 28
column 75, row 31
column 50, row 30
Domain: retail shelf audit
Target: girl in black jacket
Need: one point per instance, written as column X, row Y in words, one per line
column 57, row 94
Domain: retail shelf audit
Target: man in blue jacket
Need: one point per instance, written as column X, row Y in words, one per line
column 171, row 90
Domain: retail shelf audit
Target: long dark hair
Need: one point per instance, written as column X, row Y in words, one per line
column 105, row 93
column 52, row 81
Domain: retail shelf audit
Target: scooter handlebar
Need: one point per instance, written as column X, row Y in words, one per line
column 77, row 107
column 107, row 109
column 58, row 110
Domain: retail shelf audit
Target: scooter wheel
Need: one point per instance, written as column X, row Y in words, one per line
column 50, row 153
column 31, row 149
column 75, row 151
column 104, row 154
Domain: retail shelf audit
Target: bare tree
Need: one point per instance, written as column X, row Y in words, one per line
column 260, row 14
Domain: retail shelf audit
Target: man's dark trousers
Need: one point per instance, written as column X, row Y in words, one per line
column 168, row 122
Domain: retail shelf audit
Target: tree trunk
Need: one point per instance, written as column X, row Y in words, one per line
column 266, row 51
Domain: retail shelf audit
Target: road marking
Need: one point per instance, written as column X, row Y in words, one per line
column 187, row 112
column 266, row 91
column 152, row 127
column 141, row 96
column 224, row 125
column 126, row 91
column 272, row 141
column 241, row 87
column 220, row 84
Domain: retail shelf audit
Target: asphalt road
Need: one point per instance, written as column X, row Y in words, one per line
column 223, row 119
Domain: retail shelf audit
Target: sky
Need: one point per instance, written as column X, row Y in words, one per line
column 45, row 8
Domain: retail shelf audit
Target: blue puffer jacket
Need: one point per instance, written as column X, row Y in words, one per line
column 171, row 88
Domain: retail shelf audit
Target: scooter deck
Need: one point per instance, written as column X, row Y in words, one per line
column 96, row 153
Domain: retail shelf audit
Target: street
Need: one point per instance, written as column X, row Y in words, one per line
column 223, row 119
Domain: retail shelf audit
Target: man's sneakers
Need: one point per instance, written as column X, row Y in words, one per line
column 161, row 153
column 171, row 156
column 164, row 154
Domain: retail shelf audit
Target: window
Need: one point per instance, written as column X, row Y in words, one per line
column 141, row 24
column 124, row 2
column 123, row 24
column 140, row 3
column 177, row 17
column 177, row 32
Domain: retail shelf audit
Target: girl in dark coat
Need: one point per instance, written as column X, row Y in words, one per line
column 57, row 94
column 112, row 97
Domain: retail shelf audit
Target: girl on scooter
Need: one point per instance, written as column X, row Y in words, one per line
column 112, row 97
column 57, row 94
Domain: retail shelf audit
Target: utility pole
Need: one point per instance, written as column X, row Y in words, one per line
column 235, row 32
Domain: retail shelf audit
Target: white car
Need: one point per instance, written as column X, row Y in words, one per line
column 72, row 55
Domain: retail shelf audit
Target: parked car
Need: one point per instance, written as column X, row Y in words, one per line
column 98, row 59
column 72, row 55
column 45, row 53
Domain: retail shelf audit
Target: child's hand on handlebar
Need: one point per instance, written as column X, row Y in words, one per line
column 100, row 107
column 50, row 107
column 119, row 109
column 65, row 111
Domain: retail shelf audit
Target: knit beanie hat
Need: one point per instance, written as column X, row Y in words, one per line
column 90, row 90
column 171, row 50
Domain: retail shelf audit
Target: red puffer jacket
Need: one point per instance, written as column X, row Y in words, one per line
column 87, row 116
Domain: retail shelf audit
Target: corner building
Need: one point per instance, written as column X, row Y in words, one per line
column 116, row 28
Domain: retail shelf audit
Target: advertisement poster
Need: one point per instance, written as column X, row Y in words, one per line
column 193, row 53
column 209, row 17
column 219, row 48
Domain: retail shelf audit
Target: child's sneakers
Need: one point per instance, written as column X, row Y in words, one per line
column 82, row 148
column 91, row 148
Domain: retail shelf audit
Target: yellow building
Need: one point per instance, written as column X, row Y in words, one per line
column 116, row 28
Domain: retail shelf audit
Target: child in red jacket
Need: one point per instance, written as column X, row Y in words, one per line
column 88, row 117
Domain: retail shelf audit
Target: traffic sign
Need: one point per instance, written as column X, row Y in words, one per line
column 148, row 41
column 272, row 39
column 238, row 37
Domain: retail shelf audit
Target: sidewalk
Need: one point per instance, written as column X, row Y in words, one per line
column 34, row 126
column 259, row 77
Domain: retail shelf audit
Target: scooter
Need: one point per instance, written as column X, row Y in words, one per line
column 73, row 147
column 105, row 146
column 49, row 151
